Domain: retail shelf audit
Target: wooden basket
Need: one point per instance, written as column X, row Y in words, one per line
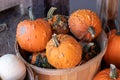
column 82, row 72
column 30, row 74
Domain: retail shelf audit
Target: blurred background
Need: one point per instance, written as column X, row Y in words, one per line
column 82, row 4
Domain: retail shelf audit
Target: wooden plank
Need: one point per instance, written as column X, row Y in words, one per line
column 5, row 4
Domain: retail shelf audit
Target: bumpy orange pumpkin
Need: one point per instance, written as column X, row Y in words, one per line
column 108, row 74
column 112, row 55
column 33, row 35
column 85, row 24
column 59, row 23
column 63, row 51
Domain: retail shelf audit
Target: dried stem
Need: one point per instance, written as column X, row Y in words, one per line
column 50, row 12
column 91, row 30
column 113, row 72
column 55, row 40
column 31, row 13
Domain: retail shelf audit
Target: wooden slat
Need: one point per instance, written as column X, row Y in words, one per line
column 5, row 4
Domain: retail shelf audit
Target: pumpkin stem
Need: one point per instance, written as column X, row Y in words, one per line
column 50, row 12
column 31, row 13
column 113, row 72
column 55, row 40
column 90, row 44
column 91, row 30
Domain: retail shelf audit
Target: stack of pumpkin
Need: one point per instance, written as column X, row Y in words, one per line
column 60, row 41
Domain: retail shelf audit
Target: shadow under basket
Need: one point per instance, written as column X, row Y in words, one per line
column 84, row 71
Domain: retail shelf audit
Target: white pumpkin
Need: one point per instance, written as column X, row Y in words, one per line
column 12, row 68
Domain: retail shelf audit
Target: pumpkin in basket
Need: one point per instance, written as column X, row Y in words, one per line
column 90, row 50
column 59, row 23
column 33, row 35
column 85, row 24
column 39, row 59
column 108, row 74
column 112, row 55
column 63, row 51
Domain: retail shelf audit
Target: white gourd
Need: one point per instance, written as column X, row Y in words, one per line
column 12, row 68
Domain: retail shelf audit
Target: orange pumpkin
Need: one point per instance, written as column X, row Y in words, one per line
column 63, row 51
column 108, row 74
column 112, row 55
column 33, row 35
column 85, row 24
column 59, row 23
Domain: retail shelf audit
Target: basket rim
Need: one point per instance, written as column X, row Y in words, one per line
column 63, row 71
